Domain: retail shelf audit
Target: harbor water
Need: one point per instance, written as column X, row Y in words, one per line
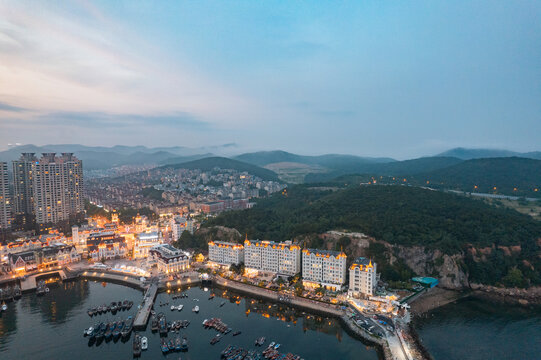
column 51, row 326
column 473, row 329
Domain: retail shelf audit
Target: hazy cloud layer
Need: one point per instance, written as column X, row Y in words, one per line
column 370, row 78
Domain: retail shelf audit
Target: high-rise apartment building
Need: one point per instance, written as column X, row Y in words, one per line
column 49, row 188
column 324, row 267
column 226, row 253
column 362, row 277
column 5, row 199
column 282, row 258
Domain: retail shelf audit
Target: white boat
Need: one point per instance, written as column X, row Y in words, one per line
column 179, row 308
column 4, row 307
column 144, row 343
column 173, row 307
column 46, row 289
column 195, row 309
column 89, row 331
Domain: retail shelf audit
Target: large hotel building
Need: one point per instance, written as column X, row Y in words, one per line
column 362, row 277
column 282, row 258
column 323, row 267
column 50, row 188
column 226, row 253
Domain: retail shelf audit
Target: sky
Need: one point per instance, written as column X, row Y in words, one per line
column 373, row 78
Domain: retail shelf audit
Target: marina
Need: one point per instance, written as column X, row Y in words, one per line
column 60, row 318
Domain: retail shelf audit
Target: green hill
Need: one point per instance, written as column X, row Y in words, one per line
column 210, row 163
column 400, row 215
column 468, row 154
column 510, row 176
column 397, row 168
column 331, row 161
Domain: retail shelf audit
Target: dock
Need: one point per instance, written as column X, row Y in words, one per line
column 141, row 319
column 29, row 283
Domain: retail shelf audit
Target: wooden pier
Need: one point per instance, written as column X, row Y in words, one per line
column 141, row 319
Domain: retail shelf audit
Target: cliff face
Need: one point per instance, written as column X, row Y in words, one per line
column 433, row 263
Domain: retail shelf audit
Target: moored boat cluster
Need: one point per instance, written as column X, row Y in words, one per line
column 113, row 308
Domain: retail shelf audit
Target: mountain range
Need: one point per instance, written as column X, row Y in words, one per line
column 458, row 168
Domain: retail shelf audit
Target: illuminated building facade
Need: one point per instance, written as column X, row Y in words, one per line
column 49, row 188
column 143, row 242
column 226, row 253
column 106, row 246
column 282, row 258
column 323, row 267
column 169, row 259
column 362, row 277
column 44, row 258
column 5, row 199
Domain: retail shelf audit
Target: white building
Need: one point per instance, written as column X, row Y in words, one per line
column 179, row 225
column 323, row 267
column 362, row 278
column 143, row 242
column 169, row 259
column 226, row 253
column 282, row 258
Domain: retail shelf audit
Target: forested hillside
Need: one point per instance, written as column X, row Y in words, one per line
column 400, row 215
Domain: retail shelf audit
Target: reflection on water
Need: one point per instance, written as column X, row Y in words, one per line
column 50, row 327
column 475, row 329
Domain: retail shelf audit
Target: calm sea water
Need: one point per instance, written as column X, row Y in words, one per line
column 475, row 329
column 51, row 327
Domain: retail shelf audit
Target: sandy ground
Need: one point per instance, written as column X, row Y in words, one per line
column 434, row 298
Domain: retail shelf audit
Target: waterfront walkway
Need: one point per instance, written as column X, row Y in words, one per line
column 141, row 319
column 29, row 283
column 312, row 305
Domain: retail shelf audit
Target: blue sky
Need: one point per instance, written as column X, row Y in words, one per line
column 400, row 79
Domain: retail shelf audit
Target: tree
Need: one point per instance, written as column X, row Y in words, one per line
column 514, row 278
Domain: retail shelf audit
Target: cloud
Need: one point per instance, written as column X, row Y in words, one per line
column 109, row 120
column 8, row 107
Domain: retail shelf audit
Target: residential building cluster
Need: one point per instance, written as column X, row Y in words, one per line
column 323, row 268
column 46, row 190
column 180, row 190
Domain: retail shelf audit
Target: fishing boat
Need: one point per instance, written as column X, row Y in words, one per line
column 100, row 333
column 184, row 345
column 90, row 312
column 260, row 341
column 109, row 332
column 114, row 307
column 211, row 297
column 171, row 344
column 154, row 324
column 173, row 307
column 163, row 325
column 222, row 303
column 237, row 333
column 127, row 329
column 118, row 329
column 178, row 343
column 130, row 304
column 180, row 307
column 125, row 305
column 164, row 346
column 195, row 309
column 144, row 343
column 276, row 346
column 215, row 339
column 137, row 345
column 4, row 306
